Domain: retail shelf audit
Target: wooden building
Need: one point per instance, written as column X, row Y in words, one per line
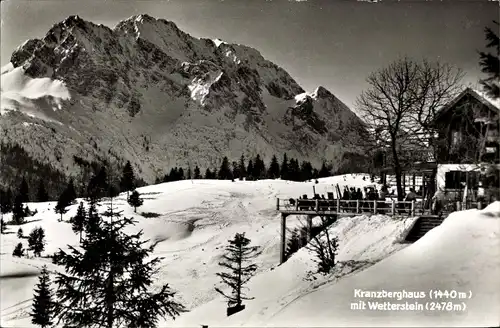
column 467, row 141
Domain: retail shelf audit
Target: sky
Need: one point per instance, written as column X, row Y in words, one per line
column 332, row 43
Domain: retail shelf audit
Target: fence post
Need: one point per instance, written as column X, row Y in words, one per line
column 283, row 238
column 459, row 206
column 338, row 205
column 479, row 205
column 375, row 207
column 277, row 204
column 317, row 205
column 412, row 208
column 393, row 207
column 357, row 206
column 296, row 204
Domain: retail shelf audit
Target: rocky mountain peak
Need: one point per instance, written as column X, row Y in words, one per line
column 147, row 92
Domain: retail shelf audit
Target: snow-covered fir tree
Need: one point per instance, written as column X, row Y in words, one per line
column 135, row 200
column 62, row 203
column 236, row 260
column 113, row 277
column 127, row 181
column 36, row 241
column 78, row 221
column 43, row 308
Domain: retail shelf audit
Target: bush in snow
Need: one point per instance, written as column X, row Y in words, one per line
column 293, row 244
column 135, row 200
column 116, row 273
column 18, row 250
column 43, row 305
column 150, row 214
column 237, row 253
column 20, row 233
column 36, row 241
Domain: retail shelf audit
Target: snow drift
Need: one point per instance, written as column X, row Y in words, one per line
column 461, row 257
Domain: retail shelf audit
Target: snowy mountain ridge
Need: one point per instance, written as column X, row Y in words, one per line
column 147, row 92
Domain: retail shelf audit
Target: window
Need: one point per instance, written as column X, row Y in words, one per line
column 456, row 138
column 458, row 179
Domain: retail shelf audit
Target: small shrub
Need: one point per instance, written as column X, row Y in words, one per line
column 18, row 250
column 150, row 214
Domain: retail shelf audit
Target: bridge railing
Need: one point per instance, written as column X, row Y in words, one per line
column 389, row 207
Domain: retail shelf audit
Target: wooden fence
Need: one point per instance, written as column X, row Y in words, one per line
column 388, row 207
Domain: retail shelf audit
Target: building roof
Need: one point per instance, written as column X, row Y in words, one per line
column 493, row 104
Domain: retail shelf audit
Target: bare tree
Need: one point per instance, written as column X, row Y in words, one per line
column 324, row 246
column 400, row 106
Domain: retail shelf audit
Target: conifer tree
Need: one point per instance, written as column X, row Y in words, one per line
column 250, row 170
column 98, row 186
column 36, row 241
column 43, row 304
column 174, row 174
column 127, row 181
column 42, row 195
column 24, row 191
column 490, row 63
column 224, row 171
column 181, row 174
column 208, row 174
column 236, row 170
column 135, row 200
column 6, row 201
column 70, row 192
column 294, row 170
column 18, row 250
column 2, row 226
column 62, row 204
column 324, row 172
column 284, row 168
column 306, row 171
column 20, row 233
column 242, row 168
column 92, row 221
column 197, row 174
column 238, row 253
column 274, row 169
column 114, row 274
column 78, row 221
column 259, row 168
column 189, row 174
column 18, row 212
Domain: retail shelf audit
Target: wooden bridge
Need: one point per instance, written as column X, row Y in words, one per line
column 339, row 207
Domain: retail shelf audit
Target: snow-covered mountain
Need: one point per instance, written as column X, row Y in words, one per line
column 147, row 92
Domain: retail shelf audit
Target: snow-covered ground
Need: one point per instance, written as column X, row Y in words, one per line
column 198, row 217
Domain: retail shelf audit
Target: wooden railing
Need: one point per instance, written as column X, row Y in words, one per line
column 389, row 207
